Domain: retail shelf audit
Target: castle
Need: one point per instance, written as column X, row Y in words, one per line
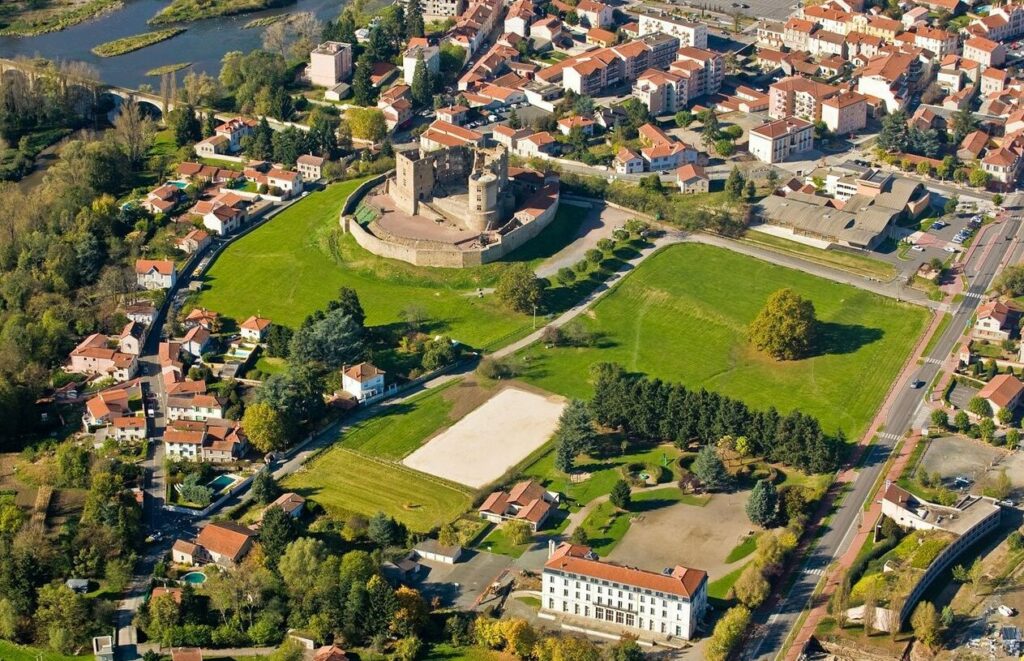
column 464, row 185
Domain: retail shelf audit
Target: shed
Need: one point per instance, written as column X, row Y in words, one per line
column 78, row 585
column 431, row 549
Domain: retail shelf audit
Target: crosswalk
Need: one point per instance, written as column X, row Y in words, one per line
column 817, row 571
column 889, row 436
column 973, row 294
column 932, row 361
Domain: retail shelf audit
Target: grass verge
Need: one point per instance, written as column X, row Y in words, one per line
column 859, row 264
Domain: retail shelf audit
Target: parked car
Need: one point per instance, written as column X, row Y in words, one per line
column 950, row 249
column 917, row 248
column 938, row 224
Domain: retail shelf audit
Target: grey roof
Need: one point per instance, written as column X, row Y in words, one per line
column 805, row 214
column 431, row 545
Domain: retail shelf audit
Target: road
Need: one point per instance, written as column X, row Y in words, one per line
column 838, row 534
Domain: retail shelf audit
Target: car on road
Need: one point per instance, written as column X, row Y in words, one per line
column 938, row 224
column 917, row 248
column 950, row 249
column 916, row 383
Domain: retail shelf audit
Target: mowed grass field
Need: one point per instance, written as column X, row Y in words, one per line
column 683, row 316
column 344, row 481
column 401, row 428
column 296, row 263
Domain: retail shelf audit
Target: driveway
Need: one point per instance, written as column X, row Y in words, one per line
column 599, row 224
column 462, row 585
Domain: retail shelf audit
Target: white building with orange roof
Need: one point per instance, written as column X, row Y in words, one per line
column 453, row 114
column 234, row 130
column 691, row 178
column 1003, row 164
column 577, row 585
column 155, row 273
column 254, row 329
column 519, row 18
column 548, row 28
column 887, row 78
column 584, row 124
column 593, row 14
column 525, row 501
column 796, row 96
column 993, row 80
column 845, row 112
column 538, row 145
column 939, row 42
column 712, row 67
column 441, row 134
column 690, row 33
column 628, row 161
column 776, row 141
column 986, row 52
column 363, row 381
column 662, row 92
column 829, row 18
column 419, row 47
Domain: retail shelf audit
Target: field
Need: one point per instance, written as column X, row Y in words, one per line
column 483, row 445
column 683, row 315
column 400, row 428
column 12, row 652
column 344, row 482
column 297, row 262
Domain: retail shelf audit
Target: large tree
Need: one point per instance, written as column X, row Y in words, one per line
column 785, row 327
column 709, row 469
column 574, row 435
column 277, row 532
column 265, row 426
column 519, row 288
column 763, row 504
column 332, row 341
column 414, row 20
column 363, row 91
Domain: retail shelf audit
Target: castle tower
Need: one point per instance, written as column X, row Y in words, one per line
column 483, row 200
column 414, row 181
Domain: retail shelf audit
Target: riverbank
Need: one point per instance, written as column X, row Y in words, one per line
column 41, row 22
column 180, row 11
column 135, row 42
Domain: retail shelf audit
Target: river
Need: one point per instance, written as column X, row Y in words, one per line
column 204, row 43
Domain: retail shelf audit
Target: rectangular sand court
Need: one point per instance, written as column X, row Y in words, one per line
column 480, row 447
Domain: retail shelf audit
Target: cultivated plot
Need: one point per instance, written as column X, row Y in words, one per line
column 480, row 447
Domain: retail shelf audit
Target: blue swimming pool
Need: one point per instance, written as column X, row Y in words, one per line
column 194, row 577
column 222, row 482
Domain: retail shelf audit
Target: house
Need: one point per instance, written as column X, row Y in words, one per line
column 670, row 603
column 601, row 37
column 584, row 124
column 419, row 48
column 330, row 653
column 103, row 648
column 162, row 199
column 143, row 312
column 329, row 64
column 453, row 114
column 208, row 319
column 291, row 503
column 691, row 179
column 310, row 167
column 108, row 405
column 363, row 381
column 441, row 134
column 184, row 443
column 526, row 501
column 129, row 428
column 131, row 338
column 627, row 161
column 196, row 340
column 984, row 51
column 193, row 242
column 212, row 147
column 199, row 407
column 94, row 356
column 254, row 329
column 184, row 552
column 539, row 144
column 226, row 542
column 972, row 145
column 594, row 14
column 1002, row 392
column 889, row 77
column 174, row 593
column 431, row 549
column 155, row 273
column 776, row 141
column 993, row 322
column 234, row 130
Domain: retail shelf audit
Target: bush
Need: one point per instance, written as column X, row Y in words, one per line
column 496, row 368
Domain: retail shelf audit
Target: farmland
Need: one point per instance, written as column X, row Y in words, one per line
column 683, row 316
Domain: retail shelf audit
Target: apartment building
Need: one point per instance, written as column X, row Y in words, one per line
column 520, row 15
column 829, row 18
column 663, row 93
column 939, row 42
column 689, row 33
column 888, row 77
column 712, row 67
column 796, row 96
column 985, row 52
column 844, row 113
column 419, row 47
column 1002, row 23
column 594, row 14
column 776, row 141
column 442, row 8
column 330, row 63
column 576, row 584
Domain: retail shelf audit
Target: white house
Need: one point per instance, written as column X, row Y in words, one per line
column 576, row 585
column 628, row 161
column 129, row 428
column 254, row 328
column 362, row 381
column 310, row 167
column 155, row 273
column 199, row 407
column 993, row 322
column 435, row 551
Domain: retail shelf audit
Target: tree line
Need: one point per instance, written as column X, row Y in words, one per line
column 652, row 410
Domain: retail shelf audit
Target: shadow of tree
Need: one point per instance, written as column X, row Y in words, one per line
column 836, row 339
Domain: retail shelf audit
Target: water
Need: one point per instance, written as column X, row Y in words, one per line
column 194, row 577
column 204, row 43
column 222, row 481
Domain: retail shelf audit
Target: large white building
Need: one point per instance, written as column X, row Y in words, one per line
column 330, row 63
column 576, row 584
column 689, row 33
column 775, row 141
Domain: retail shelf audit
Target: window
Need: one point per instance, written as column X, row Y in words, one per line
column 551, row 602
column 576, row 609
column 599, row 613
column 619, row 619
column 630, row 620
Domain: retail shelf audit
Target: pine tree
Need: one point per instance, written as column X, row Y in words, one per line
column 381, row 606
column 709, row 469
column 513, row 120
column 421, row 92
column 363, row 93
column 621, row 495
column 763, row 504
column 574, row 434
column 734, row 184
column 414, row 20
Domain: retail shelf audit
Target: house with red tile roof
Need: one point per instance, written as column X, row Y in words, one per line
column 993, row 321
column 95, row 356
column 226, row 542
column 254, row 329
column 155, row 273
column 1002, row 392
column 526, row 501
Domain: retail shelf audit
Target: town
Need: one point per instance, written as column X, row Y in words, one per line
column 483, row 330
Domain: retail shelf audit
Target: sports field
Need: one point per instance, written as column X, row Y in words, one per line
column 683, row 316
column 344, row 481
column 296, row 263
column 482, row 446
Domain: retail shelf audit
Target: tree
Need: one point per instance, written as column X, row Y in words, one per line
column 265, row 426
column 974, row 575
column 72, row 465
column 979, row 407
column 751, row 189
column 978, row 177
column 961, row 421
column 62, row 617
column 709, row 469
column 925, row 621
column 962, row 123
column 728, row 633
column 785, row 327
column 413, row 20
column 997, row 199
column 1001, row 486
column 134, row 131
column 518, row 532
column 895, row 133
column 684, row 118
column 1012, row 438
column 333, row 340
column 574, row 434
column 763, row 504
column 773, row 180
column 264, row 487
column 421, row 91
column 185, row 125
column 384, row 531
column 840, row 600
column 518, row 288
column 277, row 532
column 439, row 352
column 565, row 276
column 1011, row 281
column 709, row 133
column 579, row 536
column 621, row 495
column 940, row 418
column 348, row 302
column 448, row 535
column 363, row 91
column 734, row 184
column 751, row 588
column 725, row 147
column 367, row 124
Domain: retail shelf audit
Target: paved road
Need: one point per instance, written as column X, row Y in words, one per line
column 837, row 536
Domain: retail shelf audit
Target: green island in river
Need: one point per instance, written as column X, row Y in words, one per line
column 135, row 42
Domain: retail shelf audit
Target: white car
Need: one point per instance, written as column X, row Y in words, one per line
column 950, row 249
column 917, row 248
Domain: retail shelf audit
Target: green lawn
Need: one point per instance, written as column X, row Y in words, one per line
column 271, row 365
column 604, row 472
column 719, row 589
column 683, row 316
column 606, row 525
column 12, row 652
column 400, row 428
column 743, row 549
column 498, row 542
column 448, row 652
column 344, row 482
column 847, row 261
column 296, row 263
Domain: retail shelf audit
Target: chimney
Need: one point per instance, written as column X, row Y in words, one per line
column 551, row 548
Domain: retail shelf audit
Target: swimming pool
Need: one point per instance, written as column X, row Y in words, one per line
column 222, row 482
column 194, row 577
column 179, row 184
